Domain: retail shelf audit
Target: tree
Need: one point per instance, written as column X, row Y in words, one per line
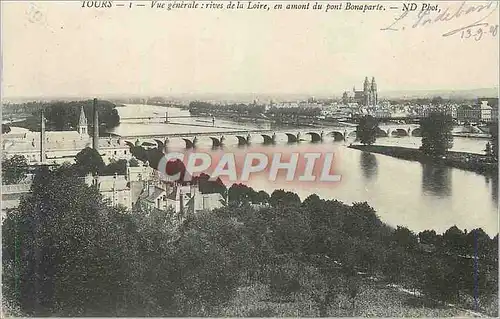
column 404, row 238
column 89, row 160
column 366, row 131
column 455, row 240
column 209, row 258
column 439, row 280
column 494, row 140
column 116, row 167
column 281, row 198
column 488, row 150
column 133, row 162
column 437, row 100
column 5, row 128
column 14, row 169
column 429, row 237
column 436, row 134
column 62, row 255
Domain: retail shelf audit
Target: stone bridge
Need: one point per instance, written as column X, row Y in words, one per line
column 244, row 137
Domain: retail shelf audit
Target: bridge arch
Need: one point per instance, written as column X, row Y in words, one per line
column 189, row 143
column 398, row 132
column 161, row 144
column 269, row 139
column 416, row 132
column 242, row 140
column 217, row 142
column 315, row 137
column 351, row 134
column 337, row 136
column 292, row 138
column 381, row 132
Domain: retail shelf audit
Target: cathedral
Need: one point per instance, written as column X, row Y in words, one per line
column 367, row 97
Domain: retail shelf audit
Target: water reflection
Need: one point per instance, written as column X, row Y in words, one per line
column 492, row 183
column 436, row 180
column 368, row 164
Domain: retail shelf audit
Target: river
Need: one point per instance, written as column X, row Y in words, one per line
column 403, row 193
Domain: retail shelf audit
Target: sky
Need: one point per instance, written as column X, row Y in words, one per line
column 56, row 48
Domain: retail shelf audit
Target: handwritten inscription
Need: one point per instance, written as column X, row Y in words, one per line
column 468, row 19
column 473, row 15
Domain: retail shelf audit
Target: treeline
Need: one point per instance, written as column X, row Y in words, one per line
column 63, row 116
column 66, row 253
column 284, row 113
column 213, row 109
column 294, row 112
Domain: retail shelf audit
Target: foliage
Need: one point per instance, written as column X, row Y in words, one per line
column 116, row 167
column 66, row 253
column 494, row 140
column 240, row 194
column 239, row 109
column 429, row 237
column 366, row 131
column 5, row 128
column 133, row 162
column 488, row 151
column 293, row 113
column 14, row 169
column 281, row 198
column 65, row 115
column 436, row 134
column 88, row 161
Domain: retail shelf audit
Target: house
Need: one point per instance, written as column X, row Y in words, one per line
column 466, row 113
column 181, row 199
column 486, row 111
column 115, row 189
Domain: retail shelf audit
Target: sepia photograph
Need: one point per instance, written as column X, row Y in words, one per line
column 230, row 158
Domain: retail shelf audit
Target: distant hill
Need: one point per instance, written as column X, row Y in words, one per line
column 265, row 97
column 447, row 94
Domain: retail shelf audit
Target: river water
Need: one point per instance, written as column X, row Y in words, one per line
column 418, row 196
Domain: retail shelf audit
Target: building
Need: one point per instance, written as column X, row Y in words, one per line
column 57, row 147
column 115, row 189
column 181, row 199
column 467, row 113
column 367, row 97
column 486, row 112
column 382, row 113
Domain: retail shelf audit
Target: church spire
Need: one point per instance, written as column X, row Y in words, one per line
column 82, row 122
column 83, row 119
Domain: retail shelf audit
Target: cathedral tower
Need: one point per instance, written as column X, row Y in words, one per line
column 366, row 92
column 374, row 92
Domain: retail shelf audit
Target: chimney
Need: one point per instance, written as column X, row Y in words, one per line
column 95, row 123
column 42, row 138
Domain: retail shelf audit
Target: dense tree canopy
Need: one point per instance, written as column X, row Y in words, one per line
column 14, row 169
column 366, row 131
column 5, row 128
column 62, row 115
column 66, row 253
column 436, row 134
column 494, row 140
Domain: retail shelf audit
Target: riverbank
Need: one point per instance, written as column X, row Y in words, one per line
column 466, row 161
